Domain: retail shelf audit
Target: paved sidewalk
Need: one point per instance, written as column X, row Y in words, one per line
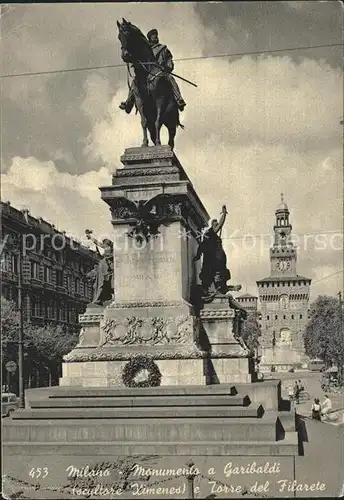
column 323, row 458
column 312, row 384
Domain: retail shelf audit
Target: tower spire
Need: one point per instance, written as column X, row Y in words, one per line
column 282, row 198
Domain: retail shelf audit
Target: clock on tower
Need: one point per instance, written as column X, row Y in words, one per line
column 283, row 265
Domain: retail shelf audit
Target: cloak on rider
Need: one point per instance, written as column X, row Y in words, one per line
column 165, row 60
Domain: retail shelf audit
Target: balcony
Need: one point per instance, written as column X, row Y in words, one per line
column 8, row 276
column 49, row 286
column 36, row 283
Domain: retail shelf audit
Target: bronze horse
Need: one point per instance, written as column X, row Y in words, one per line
column 153, row 92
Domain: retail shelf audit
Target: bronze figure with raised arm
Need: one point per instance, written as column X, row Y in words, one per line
column 214, row 274
column 103, row 273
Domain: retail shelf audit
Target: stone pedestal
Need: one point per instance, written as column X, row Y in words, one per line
column 157, row 217
column 229, row 361
column 281, row 358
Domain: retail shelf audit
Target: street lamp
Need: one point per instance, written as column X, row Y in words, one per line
column 340, row 368
column 21, row 325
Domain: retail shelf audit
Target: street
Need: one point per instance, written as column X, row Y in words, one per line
column 312, row 385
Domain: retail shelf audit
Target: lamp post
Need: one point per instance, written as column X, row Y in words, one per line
column 190, row 478
column 340, row 368
column 21, row 325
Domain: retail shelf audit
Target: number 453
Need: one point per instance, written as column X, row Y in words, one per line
column 39, row 472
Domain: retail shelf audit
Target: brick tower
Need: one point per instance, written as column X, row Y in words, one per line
column 284, row 295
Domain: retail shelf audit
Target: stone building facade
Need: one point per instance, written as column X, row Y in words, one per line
column 54, row 267
column 284, row 295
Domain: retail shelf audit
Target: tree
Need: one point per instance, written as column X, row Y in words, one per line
column 323, row 337
column 9, row 329
column 44, row 346
column 251, row 331
column 51, row 343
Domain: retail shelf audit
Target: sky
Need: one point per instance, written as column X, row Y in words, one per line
column 256, row 125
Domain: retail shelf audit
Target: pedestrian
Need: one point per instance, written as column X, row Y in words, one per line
column 326, row 406
column 301, row 386
column 316, row 409
column 290, row 392
column 297, row 392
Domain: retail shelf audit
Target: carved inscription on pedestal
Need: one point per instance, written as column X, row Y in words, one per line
column 147, row 276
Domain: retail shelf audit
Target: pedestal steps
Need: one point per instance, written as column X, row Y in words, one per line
column 161, row 420
column 253, row 411
column 141, row 429
column 131, row 392
column 104, row 450
column 141, row 401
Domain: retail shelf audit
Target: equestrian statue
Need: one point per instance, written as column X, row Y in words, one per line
column 154, row 90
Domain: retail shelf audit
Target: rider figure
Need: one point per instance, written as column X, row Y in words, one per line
column 165, row 60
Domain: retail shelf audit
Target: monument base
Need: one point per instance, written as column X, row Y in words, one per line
column 187, row 349
column 281, row 359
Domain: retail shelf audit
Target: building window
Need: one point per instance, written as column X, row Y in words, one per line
column 77, row 285
column 69, row 283
column 4, row 262
column 284, row 316
column 47, row 274
column 14, row 263
column 50, row 310
column 284, row 301
column 268, row 317
column 292, row 316
column 33, row 306
column 37, row 306
column 34, row 270
column 276, row 317
column 59, row 278
column 300, row 316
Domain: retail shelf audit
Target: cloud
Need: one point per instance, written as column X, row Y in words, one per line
column 69, row 201
column 98, row 91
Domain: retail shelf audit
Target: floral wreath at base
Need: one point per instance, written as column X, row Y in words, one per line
column 137, row 365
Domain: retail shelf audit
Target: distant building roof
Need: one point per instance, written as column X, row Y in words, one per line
column 24, row 218
column 284, row 278
column 247, row 296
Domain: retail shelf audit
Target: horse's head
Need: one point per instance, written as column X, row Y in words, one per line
column 133, row 42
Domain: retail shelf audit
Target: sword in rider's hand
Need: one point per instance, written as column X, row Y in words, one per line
column 173, row 74
column 184, row 79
